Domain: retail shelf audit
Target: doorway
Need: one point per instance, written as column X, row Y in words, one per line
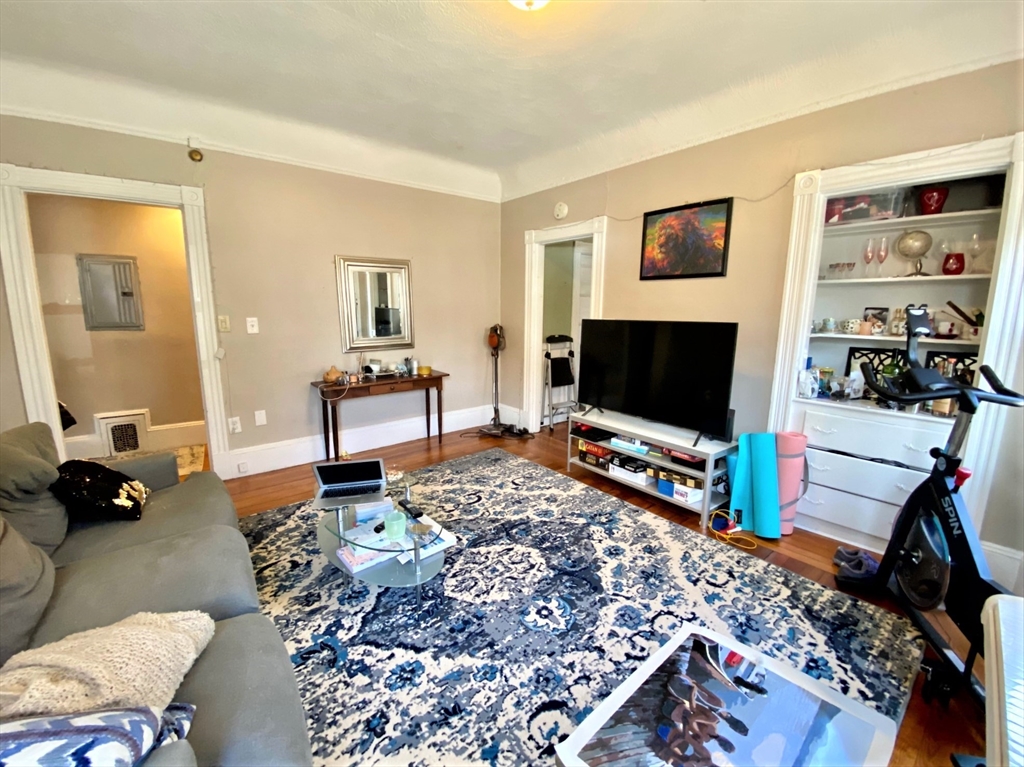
column 568, row 274
column 579, row 287
column 114, row 291
column 28, row 327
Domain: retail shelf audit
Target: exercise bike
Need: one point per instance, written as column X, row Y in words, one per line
column 934, row 556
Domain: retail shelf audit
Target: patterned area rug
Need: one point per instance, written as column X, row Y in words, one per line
column 557, row 592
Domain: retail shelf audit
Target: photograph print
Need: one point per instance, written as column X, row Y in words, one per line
column 686, row 241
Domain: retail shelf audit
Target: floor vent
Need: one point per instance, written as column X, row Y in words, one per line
column 123, row 433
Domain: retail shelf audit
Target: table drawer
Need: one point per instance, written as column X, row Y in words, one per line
column 387, row 388
column 905, row 443
column 853, row 475
column 853, row 511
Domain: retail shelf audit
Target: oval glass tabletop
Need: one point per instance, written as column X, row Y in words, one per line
column 390, row 573
column 363, row 536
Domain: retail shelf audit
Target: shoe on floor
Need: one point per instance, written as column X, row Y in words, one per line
column 859, row 569
column 844, row 555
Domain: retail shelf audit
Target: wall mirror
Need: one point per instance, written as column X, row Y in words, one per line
column 375, row 301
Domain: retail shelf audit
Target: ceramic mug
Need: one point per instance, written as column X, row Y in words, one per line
column 946, row 328
column 972, row 332
column 828, row 325
column 867, row 327
column 851, row 327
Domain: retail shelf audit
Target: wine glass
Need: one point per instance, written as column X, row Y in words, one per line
column 869, row 255
column 974, row 250
column 882, row 253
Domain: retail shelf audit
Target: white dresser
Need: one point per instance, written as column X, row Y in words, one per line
column 854, row 498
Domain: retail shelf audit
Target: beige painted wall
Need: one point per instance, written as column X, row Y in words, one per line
column 102, row 371
column 12, row 406
column 558, row 289
column 274, row 231
column 751, row 165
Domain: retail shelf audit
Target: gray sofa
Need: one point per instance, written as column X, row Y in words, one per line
column 184, row 554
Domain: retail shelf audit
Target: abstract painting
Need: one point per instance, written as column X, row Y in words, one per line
column 686, row 241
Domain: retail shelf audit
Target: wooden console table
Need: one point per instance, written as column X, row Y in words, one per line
column 331, row 397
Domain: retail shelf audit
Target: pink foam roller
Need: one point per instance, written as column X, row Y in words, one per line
column 790, row 448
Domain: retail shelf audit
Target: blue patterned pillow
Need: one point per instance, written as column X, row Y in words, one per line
column 117, row 737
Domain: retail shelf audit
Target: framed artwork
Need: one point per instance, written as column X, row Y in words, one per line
column 877, row 314
column 686, row 241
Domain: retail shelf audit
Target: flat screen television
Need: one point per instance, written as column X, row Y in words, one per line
column 679, row 373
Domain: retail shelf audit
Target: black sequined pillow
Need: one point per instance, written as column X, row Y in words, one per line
column 92, row 492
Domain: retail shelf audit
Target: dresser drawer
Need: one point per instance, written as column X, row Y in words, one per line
column 853, row 475
column 865, row 515
column 906, row 443
column 387, row 388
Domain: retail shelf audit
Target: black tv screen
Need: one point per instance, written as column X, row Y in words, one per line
column 679, row 373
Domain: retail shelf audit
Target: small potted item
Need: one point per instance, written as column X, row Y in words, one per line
column 932, row 199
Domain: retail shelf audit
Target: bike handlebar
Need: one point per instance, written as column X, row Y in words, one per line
column 999, row 395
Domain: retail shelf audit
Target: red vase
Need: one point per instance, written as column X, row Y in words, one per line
column 953, row 263
column 932, row 199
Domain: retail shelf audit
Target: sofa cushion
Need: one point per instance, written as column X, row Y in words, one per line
column 26, row 582
column 36, row 439
column 199, row 501
column 176, row 754
column 25, row 476
column 155, row 471
column 248, row 710
column 207, row 569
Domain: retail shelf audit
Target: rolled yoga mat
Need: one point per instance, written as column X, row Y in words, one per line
column 765, row 485
column 791, row 458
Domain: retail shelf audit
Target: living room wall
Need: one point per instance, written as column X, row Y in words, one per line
column 274, row 231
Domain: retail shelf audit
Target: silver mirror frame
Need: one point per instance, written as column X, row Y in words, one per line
column 352, row 343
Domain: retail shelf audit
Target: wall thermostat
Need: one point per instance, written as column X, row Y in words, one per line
column 561, row 210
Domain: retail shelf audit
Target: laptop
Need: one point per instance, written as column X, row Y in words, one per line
column 348, row 483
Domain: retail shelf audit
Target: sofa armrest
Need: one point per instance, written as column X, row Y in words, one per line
column 155, row 471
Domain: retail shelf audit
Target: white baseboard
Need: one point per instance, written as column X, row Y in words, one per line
column 1007, row 566
column 164, row 437
column 295, row 452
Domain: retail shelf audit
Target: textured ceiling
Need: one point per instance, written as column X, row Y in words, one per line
column 490, row 86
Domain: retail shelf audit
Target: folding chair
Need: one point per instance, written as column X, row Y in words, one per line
column 559, row 357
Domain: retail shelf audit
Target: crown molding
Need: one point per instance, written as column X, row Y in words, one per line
column 91, row 100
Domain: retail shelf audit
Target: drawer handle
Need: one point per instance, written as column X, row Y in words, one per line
column 824, row 431
column 815, row 502
column 816, row 467
column 903, row 487
column 908, row 446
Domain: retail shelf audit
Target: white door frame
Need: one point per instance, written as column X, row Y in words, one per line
column 533, row 343
column 22, row 283
column 1002, row 342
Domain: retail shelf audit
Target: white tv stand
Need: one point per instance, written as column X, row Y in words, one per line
column 662, row 435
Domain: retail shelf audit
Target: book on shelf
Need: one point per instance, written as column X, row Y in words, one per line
column 705, row 698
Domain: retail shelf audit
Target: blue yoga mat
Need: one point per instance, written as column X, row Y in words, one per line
column 754, row 481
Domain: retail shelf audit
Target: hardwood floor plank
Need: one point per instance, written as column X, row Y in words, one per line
column 928, row 734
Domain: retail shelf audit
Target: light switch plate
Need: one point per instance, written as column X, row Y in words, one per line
column 223, row 323
column 235, row 425
column 252, row 325
column 261, row 417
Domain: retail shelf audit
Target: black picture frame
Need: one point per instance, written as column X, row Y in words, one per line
column 686, row 264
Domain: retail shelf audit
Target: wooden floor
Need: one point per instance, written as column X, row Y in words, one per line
column 929, row 733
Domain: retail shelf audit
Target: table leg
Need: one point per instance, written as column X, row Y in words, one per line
column 427, row 393
column 327, row 430
column 440, row 414
column 335, row 426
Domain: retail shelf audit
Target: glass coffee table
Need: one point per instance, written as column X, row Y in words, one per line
column 391, row 572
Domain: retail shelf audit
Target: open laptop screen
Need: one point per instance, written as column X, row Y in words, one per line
column 349, row 472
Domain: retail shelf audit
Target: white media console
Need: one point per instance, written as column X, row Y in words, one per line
column 665, row 436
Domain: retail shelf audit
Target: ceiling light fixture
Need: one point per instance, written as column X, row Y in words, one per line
column 529, row 5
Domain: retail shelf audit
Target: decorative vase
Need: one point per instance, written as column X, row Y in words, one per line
column 932, row 199
column 953, row 263
column 332, row 375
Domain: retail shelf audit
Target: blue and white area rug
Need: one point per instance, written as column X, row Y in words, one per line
column 556, row 593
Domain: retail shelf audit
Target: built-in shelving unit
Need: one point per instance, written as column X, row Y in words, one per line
column 901, row 340
column 906, row 280
column 881, row 226
column 662, row 435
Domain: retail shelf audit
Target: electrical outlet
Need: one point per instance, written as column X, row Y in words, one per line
column 261, row 417
column 252, row 325
column 223, row 323
column 243, row 467
column 235, row 425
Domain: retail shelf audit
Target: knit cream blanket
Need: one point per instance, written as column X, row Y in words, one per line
column 139, row 661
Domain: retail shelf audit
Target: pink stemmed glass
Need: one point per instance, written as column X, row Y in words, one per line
column 869, row 255
column 882, row 253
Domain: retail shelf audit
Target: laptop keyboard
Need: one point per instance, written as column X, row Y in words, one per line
column 343, row 492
